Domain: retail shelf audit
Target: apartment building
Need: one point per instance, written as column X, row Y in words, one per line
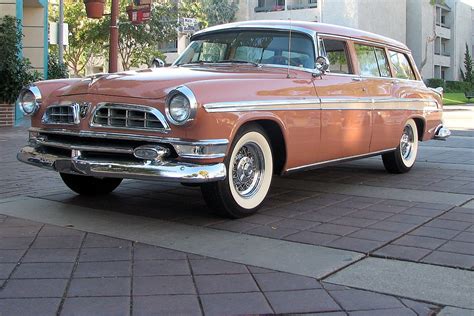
column 33, row 15
column 437, row 34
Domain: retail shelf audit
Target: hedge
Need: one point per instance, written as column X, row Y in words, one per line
column 450, row 86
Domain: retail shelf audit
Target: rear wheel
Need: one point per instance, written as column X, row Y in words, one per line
column 403, row 158
column 85, row 185
column 250, row 171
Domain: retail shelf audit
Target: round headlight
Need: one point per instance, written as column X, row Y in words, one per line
column 181, row 106
column 29, row 100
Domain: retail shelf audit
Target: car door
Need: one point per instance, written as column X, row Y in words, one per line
column 345, row 113
column 375, row 74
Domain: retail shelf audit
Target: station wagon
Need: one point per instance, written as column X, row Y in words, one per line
column 244, row 102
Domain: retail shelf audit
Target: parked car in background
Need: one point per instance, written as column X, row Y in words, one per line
column 244, row 102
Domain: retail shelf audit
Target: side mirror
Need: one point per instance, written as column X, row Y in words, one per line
column 157, row 63
column 322, row 64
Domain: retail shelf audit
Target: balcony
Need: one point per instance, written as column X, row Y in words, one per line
column 443, row 31
column 441, row 60
column 280, row 5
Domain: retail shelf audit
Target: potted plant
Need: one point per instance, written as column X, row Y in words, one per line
column 15, row 71
column 94, row 8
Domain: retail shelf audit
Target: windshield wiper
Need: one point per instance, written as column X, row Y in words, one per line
column 236, row 61
column 196, row 63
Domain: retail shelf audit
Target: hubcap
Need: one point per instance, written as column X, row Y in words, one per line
column 247, row 170
column 406, row 142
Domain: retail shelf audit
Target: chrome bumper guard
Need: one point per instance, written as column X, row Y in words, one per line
column 143, row 170
column 442, row 133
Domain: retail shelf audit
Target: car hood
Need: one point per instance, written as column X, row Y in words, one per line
column 158, row 82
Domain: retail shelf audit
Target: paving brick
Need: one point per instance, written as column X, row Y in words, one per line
column 29, row 306
column 104, row 306
column 374, row 234
column 466, row 248
column 293, row 223
column 465, row 236
column 231, row 283
column 100, row 287
column 58, row 242
column 54, row 231
column 303, row 301
column 456, row 216
column 34, row 288
column 44, row 270
column 105, row 254
column 28, row 231
column 280, row 281
column 435, row 232
column 272, row 232
column 448, row 224
column 235, row 226
column 393, row 226
column 166, row 305
column 154, row 285
column 103, row 269
column 355, row 244
column 368, row 214
column 6, row 269
column 385, row 312
column 161, row 267
column 101, row 241
column 352, row 221
column 353, row 300
column 232, row 303
column 254, row 270
column 146, row 252
column 409, row 219
column 422, row 309
column 420, row 242
column 402, row 252
column 51, row 255
column 215, row 266
column 316, row 217
column 15, row 242
column 334, row 229
column 312, row 238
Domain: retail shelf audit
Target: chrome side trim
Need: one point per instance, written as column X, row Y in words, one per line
column 336, row 161
column 383, row 104
column 264, row 105
column 146, row 170
column 133, row 107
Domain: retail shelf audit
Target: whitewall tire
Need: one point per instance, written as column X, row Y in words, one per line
column 403, row 158
column 249, row 175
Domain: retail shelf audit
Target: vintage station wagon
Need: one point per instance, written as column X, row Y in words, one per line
column 245, row 101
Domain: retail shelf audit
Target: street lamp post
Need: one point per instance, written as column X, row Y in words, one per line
column 113, row 37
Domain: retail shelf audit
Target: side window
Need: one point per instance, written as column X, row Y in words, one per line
column 401, row 66
column 372, row 61
column 336, row 52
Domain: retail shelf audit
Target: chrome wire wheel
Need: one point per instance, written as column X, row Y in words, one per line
column 248, row 170
column 407, row 142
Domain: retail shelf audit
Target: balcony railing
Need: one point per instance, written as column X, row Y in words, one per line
column 295, row 5
column 270, row 8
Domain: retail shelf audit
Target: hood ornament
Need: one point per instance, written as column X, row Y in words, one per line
column 95, row 77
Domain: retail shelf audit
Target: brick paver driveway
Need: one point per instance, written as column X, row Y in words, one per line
column 425, row 216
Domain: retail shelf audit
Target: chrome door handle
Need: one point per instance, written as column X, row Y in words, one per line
column 396, row 81
column 356, row 79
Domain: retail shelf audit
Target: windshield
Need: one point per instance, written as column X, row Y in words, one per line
column 253, row 47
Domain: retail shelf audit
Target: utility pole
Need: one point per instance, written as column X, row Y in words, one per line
column 113, row 37
column 60, row 32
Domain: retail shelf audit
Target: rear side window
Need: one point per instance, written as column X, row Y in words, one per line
column 336, row 52
column 401, row 66
column 372, row 61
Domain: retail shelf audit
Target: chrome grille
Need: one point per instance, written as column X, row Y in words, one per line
column 61, row 114
column 129, row 116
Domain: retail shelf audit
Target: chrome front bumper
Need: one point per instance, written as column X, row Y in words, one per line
column 146, row 170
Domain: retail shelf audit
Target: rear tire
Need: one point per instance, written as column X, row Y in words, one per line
column 403, row 158
column 249, row 175
column 85, row 185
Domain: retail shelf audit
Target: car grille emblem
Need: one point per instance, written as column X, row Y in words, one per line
column 83, row 109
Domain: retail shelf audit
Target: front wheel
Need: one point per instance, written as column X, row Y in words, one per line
column 85, row 185
column 403, row 158
column 250, row 170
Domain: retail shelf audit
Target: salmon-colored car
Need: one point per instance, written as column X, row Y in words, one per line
column 243, row 102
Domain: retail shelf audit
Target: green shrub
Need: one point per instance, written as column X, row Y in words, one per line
column 15, row 71
column 56, row 70
column 458, row 86
column 435, row 83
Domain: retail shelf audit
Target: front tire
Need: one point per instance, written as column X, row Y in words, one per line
column 403, row 158
column 249, row 176
column 85, row 185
